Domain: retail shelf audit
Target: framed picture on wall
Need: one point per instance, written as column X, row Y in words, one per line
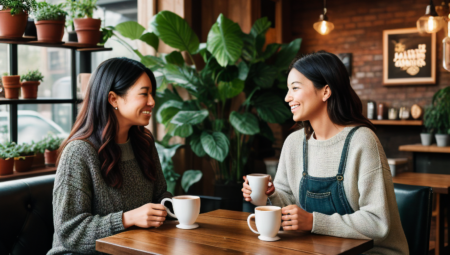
column 408, row 57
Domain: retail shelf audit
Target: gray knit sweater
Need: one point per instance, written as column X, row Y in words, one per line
column 85, row 208
column 367, row 183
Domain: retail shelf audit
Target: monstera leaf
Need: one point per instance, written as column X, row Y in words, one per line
column 216, row 145
column 245, row 123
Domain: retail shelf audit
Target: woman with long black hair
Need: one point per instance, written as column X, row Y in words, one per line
column 333, row 177
column 109, row 176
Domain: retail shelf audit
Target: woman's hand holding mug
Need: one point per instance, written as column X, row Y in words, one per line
column 148, row 215
column 295, row 218
column 247, row 190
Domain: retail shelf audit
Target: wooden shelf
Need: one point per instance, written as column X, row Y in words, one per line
column 31, row 173
column 38, row 101
column 68, row 45
column 420, row 148
column 398, row 122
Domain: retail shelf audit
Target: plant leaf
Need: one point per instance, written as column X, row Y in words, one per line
column 189, row 178
column 224, row 41
column 246, row 123
column 130, row 29
column 150, row 39
column 243, row 70
column 260, row 27
column 184, row 130
column 287, row 54
column 175, row 58
column 165, row 105
column 190, row 117
column 263, row 75
column 175, row 31
column 196, row 145
column 230, row 89
column 183, row 76
column 270, row 50
column 167, row 114
column 216, row 145
column 271, row 108
column 151, row 61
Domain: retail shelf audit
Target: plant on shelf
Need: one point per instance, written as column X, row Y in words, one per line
column 165, row 153
column 50, row 20
column 87, row 28
column 14, row 17
column 30, row 83
column 7, row 154
column 72, row 13
column 25, row 158
column 441, row 116
column 428, row 122
column 214, row 120
column 50, row 144
column 11, row 84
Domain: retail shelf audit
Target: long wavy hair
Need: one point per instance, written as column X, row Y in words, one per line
column 344, row 106
column 97, row 124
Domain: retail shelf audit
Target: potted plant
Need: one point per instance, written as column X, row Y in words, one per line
column 23, row 162
column 441, row 105
column 51, row 144
column 50, row 20
column 11, row 84
column 87, row 28
column 426, row 136
column 39, row 150
column 30, row 83
column 14, row 17
column 190, row 177
column 7, row 154
column 236, row 64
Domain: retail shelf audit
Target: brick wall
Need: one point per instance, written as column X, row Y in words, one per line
column 359, row 26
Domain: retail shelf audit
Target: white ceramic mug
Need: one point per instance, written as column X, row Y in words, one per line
column 258, row 183
column 186, row 210
column 268, row 222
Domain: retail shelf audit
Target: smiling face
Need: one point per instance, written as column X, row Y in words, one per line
column 135, row 107
column 304, row 99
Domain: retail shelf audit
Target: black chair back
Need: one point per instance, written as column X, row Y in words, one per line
column 26, row 216
column 414, row 204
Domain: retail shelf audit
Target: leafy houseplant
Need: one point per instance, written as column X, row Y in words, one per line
column 25, row 158
column 72, row 13
column 50, row 20
column 14, row 17
column 441, row 116
column 51, row 144
column 190, row 177
column 427, row 134
column 87, row 28
column 30, row 83
column 7, row 154
column 11, row 84
column 235, row 63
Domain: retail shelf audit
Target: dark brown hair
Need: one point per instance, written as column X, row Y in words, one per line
column 97, row 124
column 344, row 106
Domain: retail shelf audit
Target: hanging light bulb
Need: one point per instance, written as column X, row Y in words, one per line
column 430, row 22
column 446, row 49
column 323, row 26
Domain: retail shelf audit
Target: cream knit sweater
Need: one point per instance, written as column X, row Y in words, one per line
column 367, row 183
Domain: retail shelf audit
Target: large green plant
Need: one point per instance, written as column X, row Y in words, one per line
column 165, row 153
column 18, row 6
column 440, row 113
column 235, row 63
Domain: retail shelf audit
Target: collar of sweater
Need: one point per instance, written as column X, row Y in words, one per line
column 333, row 140
column 127, row 150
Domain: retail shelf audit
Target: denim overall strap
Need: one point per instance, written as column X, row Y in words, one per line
column 343, row 161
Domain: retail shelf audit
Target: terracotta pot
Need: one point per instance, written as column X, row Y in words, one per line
column 6, row 166
column 51, row 157
column 23, row 165
column 11, row 84
column 88, row 30
column 51, row 31
column 12, row 26
column 30, row 89
column 39, row 160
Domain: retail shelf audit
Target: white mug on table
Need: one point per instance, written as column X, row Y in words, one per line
column 268, row 222
column 186, row 208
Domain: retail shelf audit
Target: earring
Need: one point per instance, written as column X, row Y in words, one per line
column 115, row 108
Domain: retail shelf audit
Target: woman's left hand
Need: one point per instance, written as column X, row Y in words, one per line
column 295, row 218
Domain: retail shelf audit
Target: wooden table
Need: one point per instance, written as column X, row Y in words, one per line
column 224, row 232
column 440, row 183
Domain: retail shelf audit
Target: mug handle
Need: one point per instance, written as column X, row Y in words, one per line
column 248, row 222
column 167, row 209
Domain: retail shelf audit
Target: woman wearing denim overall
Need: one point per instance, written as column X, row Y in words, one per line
column 333, row 177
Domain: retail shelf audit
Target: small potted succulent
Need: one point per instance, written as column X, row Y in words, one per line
column 50, row 20
column 7, row 154
column 87, row 28
column 14, row 17
column 30, row 83
column 24, row 160
column 441, row 121
column 39, row 150
column 11, row 84
column 51, row 144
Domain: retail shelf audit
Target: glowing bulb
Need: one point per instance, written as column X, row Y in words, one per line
column 431, row 23
column 323, row 28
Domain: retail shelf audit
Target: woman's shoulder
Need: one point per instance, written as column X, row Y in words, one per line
column 295, row 137
column 365, row 136
column 78, row 150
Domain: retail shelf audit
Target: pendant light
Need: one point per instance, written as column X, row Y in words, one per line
column 430, row 22
column 323, row 26
column 446, row 50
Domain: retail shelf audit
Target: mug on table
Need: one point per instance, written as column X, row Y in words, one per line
column 186, row 209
